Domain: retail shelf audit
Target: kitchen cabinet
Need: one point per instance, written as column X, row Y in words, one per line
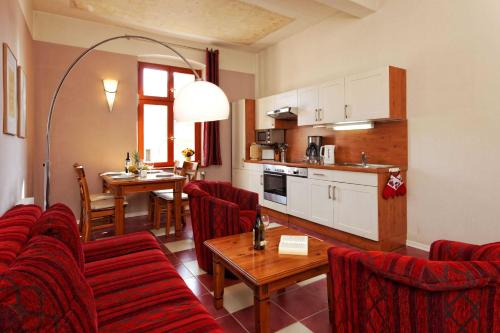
column 322, row 104
column 355, row 209
column 262, row 120
column 289, row 98
column 297, row 205
column 321, row 202
column 250, row 178
column 376, row 94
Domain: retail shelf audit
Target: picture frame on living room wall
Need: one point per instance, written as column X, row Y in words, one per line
column 10, row 111
column 21, row 103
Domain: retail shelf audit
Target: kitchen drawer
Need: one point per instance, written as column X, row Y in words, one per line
column 359, row 178
column 254, row 167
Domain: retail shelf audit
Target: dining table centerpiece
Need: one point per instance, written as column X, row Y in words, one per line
column 188, row 154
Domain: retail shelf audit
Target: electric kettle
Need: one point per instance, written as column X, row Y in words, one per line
column 327, row 154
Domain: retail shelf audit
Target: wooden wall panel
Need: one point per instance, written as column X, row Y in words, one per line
column 387, row 143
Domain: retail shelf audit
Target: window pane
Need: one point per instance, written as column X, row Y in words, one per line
column 184, row 138
column 180, row 80
column 155, row 133
column 155, row 82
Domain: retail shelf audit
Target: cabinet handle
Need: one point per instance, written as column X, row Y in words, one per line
column 315, row 114
column 320, row 117
column 329, row 191
column 261, row 179
column 345, row 111
column 319, row 174
column 334, row 197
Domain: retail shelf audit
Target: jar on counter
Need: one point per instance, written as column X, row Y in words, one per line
column 255, row 152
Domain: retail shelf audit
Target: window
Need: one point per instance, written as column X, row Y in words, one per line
column 161, row 139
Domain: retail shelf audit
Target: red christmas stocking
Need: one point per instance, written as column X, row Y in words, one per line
column 401, row 190
column 391, row 187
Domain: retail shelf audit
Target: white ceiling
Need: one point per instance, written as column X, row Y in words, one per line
column 246, row 24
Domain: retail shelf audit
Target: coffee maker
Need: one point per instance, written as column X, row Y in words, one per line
column 314, row 144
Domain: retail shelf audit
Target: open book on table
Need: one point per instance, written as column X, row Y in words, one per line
column 297, row 245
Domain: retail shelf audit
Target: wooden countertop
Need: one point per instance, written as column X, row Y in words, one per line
column 338, row 167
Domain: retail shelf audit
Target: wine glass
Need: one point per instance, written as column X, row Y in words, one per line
column 266, row 220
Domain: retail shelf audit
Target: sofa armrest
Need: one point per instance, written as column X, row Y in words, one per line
column 445, row 250
column 119, row 246
column 246, row 200
column 59, row 222
column 220, row 217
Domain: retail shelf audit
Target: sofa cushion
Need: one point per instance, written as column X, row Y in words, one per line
column 59, row 222
column 143, row 291
column 15, row 226
column 487, row 252
column 45, row 291
column 247, row 220
column 119, row 245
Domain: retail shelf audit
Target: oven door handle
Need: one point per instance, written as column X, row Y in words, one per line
column 274, row 173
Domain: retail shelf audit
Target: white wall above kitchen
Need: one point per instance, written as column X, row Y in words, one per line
column 451, row 51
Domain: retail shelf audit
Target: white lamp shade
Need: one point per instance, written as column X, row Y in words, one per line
column 110, row 87
column 201, row 101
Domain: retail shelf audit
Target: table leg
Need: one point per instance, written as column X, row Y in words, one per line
column 177, row 206
column 261, row 309
column 119, row 215
column 330, row 297
column 218, row 282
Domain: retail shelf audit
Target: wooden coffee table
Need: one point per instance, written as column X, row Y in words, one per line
column 266, row 271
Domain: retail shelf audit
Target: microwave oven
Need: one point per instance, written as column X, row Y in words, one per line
column 269, row 136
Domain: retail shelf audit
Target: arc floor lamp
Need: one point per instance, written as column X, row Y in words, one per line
column 198, row 101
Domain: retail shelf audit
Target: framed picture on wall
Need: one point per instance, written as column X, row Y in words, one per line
column 10, row 110
column 21, row 102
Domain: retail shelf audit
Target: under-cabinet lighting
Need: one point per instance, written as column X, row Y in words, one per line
column 353, row 125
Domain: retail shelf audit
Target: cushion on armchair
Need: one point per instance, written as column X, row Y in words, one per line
column 247, row 220
column 487, row 252
column 45, row 291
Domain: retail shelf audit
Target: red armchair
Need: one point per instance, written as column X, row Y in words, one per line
column 457, row 290
column 218, row 209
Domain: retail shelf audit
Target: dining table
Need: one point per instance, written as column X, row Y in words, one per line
column 121, row 184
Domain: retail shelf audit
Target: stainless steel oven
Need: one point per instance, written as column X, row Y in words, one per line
column 275, row 181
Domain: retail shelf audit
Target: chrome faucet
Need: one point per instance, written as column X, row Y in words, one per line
column 364, row 159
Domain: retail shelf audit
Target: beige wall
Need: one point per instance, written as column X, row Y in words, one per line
column 15, row 152
column 451, row 50
column 83, row 130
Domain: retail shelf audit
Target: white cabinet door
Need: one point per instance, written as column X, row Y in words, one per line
column 238, row 134
column 307, row 106
column 298, row 203
column 255, row 183
column 331, row 102
column 264, row 105
column 367, row 95
column 355, row 209
column 289, row 98
column 320, row 193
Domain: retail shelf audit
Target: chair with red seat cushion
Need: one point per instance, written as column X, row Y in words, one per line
column 388, row 292
column 218, row 209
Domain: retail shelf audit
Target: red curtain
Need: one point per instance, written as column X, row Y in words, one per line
column 211, row 131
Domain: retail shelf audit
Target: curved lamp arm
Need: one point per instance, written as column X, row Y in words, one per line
column 67, row 72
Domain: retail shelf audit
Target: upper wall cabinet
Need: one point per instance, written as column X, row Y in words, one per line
column 262, row 107
column 321, row 104
column 288, row 98
column 376, row 95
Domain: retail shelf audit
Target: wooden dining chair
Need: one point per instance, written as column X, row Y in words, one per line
column 100, row 209
column 164, row 200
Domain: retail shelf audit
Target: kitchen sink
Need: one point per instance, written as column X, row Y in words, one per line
column 368, row 165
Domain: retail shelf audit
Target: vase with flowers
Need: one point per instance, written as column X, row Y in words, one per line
column 188, row 154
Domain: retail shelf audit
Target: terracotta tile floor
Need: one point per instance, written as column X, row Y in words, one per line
column 300, row 308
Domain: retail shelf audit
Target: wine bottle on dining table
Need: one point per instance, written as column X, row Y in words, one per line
column 127, row 163
column 259, row 234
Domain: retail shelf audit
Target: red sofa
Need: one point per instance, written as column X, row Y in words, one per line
column 457, row 290
column 218, row 209
column 50, row 282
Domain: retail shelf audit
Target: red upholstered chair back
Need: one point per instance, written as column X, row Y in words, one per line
column 218, row 209
column 458, row 290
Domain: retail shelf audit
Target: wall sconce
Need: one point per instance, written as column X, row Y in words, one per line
column 110, row 91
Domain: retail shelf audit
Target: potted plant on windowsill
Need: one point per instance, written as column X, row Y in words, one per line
column 187, row 153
